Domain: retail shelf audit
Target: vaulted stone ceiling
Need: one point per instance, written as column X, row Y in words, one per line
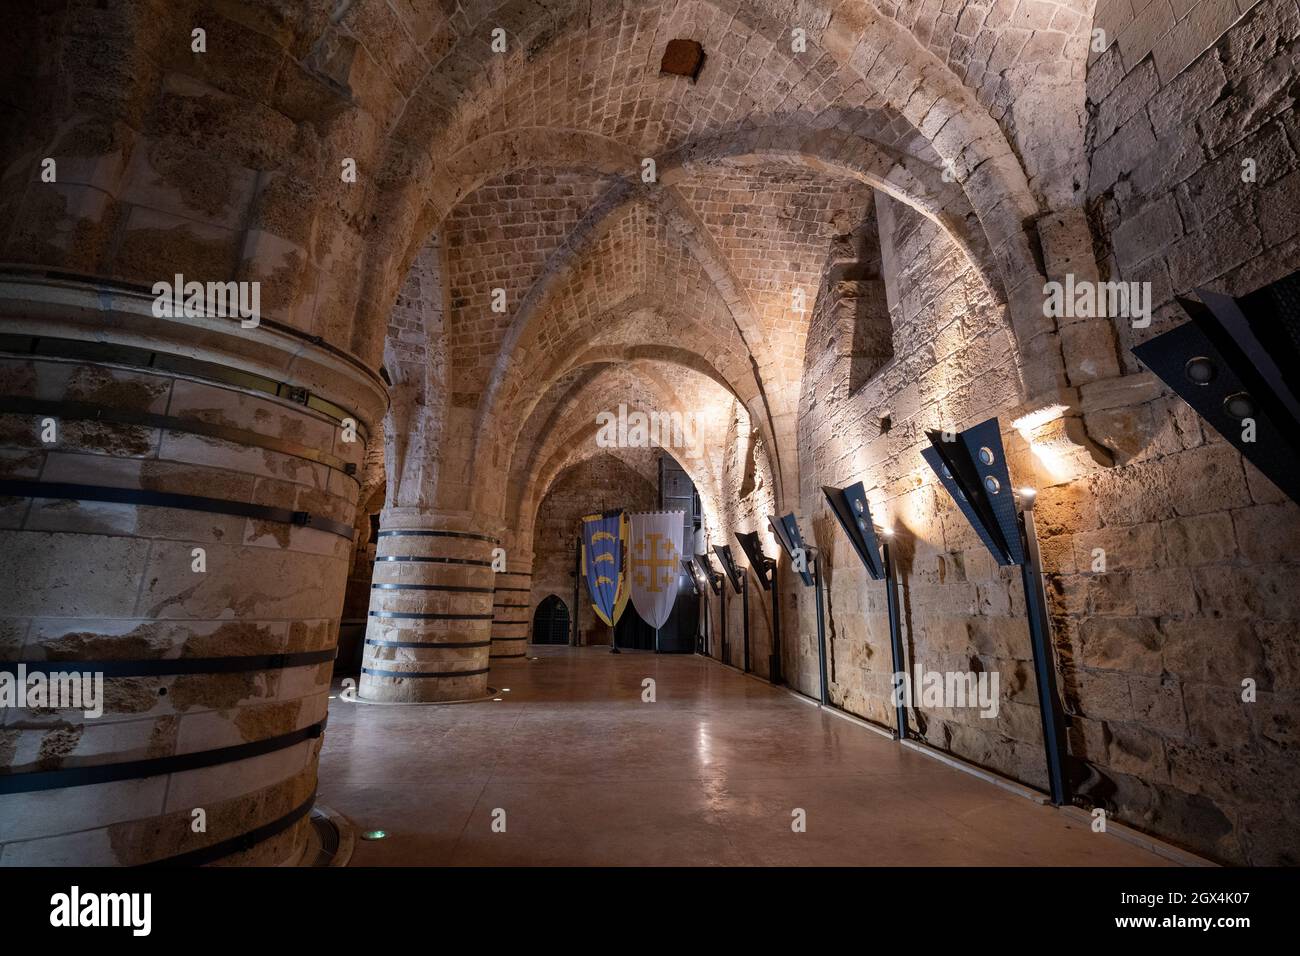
column 515, row 136
column 529, row 161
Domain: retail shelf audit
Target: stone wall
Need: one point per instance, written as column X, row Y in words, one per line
column 952, row 366
column 1197, row 593
column 1201, row 595
column 746, row 498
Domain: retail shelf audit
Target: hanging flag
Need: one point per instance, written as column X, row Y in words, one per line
column 655, row 563
column 624, row 592
column 603, row 536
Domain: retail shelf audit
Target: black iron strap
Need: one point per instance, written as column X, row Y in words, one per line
column 238, row 844
column 169, row 666
column 44, row 346
column 428, row 645
column 414, row 533
column 430, row 587
column 82, row 411
column 421, row 616
column 379, row 673
column 427, row 560
column 30, row 782
column 166, row 499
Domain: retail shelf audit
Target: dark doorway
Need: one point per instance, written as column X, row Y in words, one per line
column 551, row 622
column 632, row 633
column 677, row 493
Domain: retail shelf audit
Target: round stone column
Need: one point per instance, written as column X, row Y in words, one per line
column 510, row 604
column 429, row 626
column 176, row 501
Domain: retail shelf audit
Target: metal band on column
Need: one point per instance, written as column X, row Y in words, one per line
column 510, row 619
column 430, row 618
column 187, row 491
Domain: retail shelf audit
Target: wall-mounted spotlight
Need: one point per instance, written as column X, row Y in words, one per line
column 714, row 578
column 1227, row 364
column 973, row 469
column 764, row 567
column 735, row 574
column 972, row 466
column 697, row 584
column 807, row 564
column 786, row 529
column 711, row 574
column 765, row 570
column 740, row 584
column 853, row 511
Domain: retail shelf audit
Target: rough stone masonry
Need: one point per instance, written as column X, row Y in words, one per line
column 475, row 227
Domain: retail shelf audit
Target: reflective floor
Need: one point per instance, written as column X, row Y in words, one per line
column 581, row 772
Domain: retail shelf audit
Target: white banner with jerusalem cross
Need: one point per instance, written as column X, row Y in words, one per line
column 654, row 563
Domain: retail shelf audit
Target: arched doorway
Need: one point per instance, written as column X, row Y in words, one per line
column 551, row 622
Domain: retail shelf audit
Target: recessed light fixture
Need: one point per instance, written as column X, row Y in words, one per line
column 1239, row 405
column 1199, row 370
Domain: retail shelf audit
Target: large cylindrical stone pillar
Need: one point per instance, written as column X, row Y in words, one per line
column 176, row 502
column 429, row 626
column 510, row 603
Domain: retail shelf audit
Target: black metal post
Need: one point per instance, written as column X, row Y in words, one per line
column 895, row 638
column 774, row 660
column 744, row 618
column 706, row 627
column 1049, row 702
column 821, row 629
column 577, row 584
column 722, row 643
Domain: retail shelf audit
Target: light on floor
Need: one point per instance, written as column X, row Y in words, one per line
column 374, row 835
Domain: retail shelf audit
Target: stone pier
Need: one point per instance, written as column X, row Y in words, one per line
column 176, row 501
column 430, row 621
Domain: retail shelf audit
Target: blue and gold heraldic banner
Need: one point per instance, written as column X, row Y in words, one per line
column 603, row 538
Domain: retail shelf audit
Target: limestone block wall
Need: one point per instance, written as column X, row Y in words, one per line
column 1204, row 597
column 747, row 499
column 1197, row 589
column 952, row 365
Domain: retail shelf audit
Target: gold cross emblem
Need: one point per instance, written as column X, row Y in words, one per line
column 656, row 581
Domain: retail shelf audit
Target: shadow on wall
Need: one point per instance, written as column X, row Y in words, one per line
column 824, row 531
column 902, row 548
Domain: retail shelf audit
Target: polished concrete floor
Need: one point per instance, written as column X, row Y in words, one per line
column 709, row 774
